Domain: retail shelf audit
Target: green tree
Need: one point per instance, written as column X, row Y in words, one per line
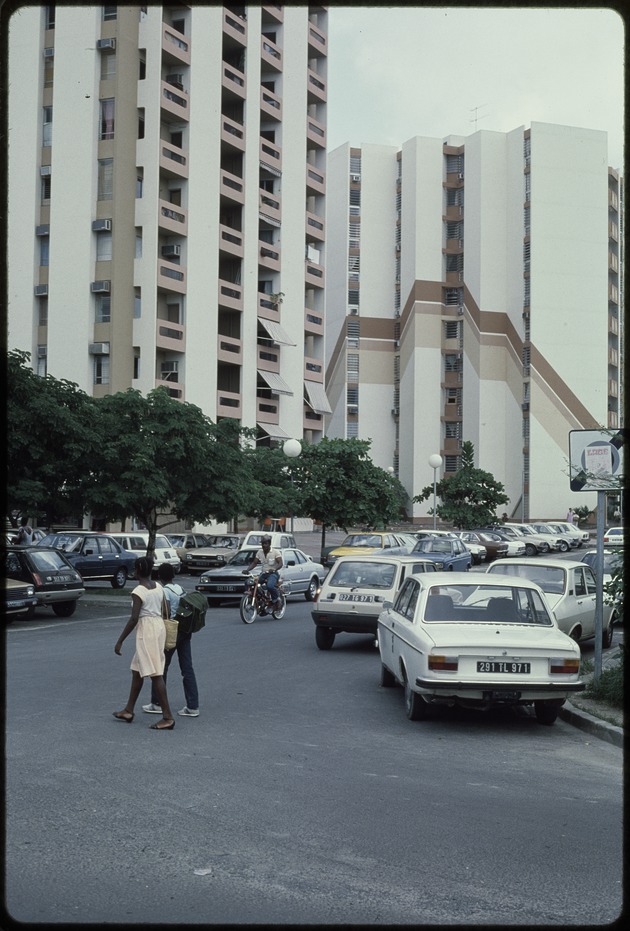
column 470, row 497
column 160, row 460
column 49, row 436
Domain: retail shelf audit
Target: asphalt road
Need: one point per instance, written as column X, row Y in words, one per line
column 302, row 794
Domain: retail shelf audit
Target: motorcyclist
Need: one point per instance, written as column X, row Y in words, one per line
column 271, row 562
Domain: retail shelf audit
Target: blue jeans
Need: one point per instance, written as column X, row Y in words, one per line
column 271, row 580
column 184, row 655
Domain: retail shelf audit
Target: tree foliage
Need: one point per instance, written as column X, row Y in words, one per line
column 470, row 497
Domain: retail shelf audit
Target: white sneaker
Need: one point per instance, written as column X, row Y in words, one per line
column 189, row 712
column 152, row 709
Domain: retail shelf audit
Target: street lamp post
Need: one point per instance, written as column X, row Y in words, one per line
column 435, row 461
column 292, row 449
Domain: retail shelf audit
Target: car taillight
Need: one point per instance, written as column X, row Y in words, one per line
column 442, row 662
column 568, row 666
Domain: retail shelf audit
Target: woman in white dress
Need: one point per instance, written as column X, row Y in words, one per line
column 148, row 660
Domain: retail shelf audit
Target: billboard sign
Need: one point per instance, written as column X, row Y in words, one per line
column 596, row 460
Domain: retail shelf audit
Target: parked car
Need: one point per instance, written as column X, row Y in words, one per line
column 612, row 560
column 186, row 540
column 556, row 540
column 56, row 582
column 515, row 545
column 136, row 542
column 477, row 550
column 450, row 640
column 19, row 599
column 583, row 536
column 613, row 536
column 569, row 589
column 227, row 583
column 94, row 555
column 219, row 550
column 534, row 542
column 496, row 546
column 365, row 543
column 568, row 536
column 445, row 552
column 279, row 539
column 354, row 591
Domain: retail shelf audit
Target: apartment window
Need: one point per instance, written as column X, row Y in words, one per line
column 452, row 363
column 47, row 126
column 42, row 312
column 49, row 67
column 452, row 463
column 104, row 247
column 452, row 329
column 46, row 190
column 108, row 65
column 141, row 123
column 453, row 430
column 137, row 305
column 50, row 16
column 352, row 395
column 355, row 164
column 138, row 254
column 139, row 183
column 110, row 12
column 42, row 361
column 354, row 266
column 103, row 310
column 136, row 366
column 354, row 233
column 108, row 112
column 44, row 243
column 353, row 297
column 353, row 366
column 455, row 263
column 142, row 65
column 105, row 178
column 352, row 429
column 101, row 370
column 355, row 197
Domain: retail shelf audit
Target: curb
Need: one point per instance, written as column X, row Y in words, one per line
column 594, row 726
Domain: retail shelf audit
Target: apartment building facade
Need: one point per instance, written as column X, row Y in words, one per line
column 474, row 293
column 167, row 181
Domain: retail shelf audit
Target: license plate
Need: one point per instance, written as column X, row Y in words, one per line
column 226, row 588
column 502, row 666
column 17, row 604
column 356, row 597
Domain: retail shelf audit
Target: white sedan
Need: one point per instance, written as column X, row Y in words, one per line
column 450, row 640
column 569, row 589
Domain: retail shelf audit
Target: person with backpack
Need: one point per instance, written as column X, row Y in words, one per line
column 174, row 593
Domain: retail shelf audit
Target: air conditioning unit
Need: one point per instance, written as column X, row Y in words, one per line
column 101, row 287
column 395, row 412
column 45, row 171
column 460, row 175
column 169, row 371
column 460, row 310
column 49, row 53
column 105, row 44
column 397, row 313
column 171, row 250
column 43, row 230
column 353, row 408
column 396, row 344
column 353, row 310
column 525, row 406
column 177, row 80
column 101, row 226
column 98, row 349
column 355, row 177
column 41, row 290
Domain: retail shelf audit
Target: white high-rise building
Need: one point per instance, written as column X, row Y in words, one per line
column 473, row 293
column 166, row 204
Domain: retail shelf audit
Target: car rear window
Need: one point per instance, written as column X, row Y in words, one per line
column 478, row 604
column 361, row 575
column 550, row 579
column 45, row 560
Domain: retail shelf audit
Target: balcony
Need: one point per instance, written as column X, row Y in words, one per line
column 613, row 388
column 235, row 28
column 314, row 227
column 230, row 241
column 267, row 410
column 270, row 54
column 170, row 336
column 267, row 309
column 174, row 388
column 173, row 160
column 230, row 295
column 316, row 132
column 313, row 370
column 613, row 325
column 175, row 46
column 269, row 207
column 454, row 246
column 315, row 181
column 314, row 274
column 268, row 358
column 270, row 155
column 453, row 279
column 313, row 322
column 232, row 187
column 229, row 350
column 613, row 356
column 173, row 104
column 232, row 134
column 272, row 13
column 269, row 256
column 172, row 218
column 316, row 88
column 228, row 404
column 270, row 104
column 454, row 212
column 171, row 277
column 312, row 420
column 317, row 43
column 233, row 81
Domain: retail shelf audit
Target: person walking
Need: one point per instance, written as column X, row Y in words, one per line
column 570, row 516
column 148, row 660
column 174, row 592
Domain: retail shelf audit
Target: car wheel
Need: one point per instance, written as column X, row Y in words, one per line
column 547, row 711
column 311, row 591
column 119, row 579
column 607, row 633
column 530, row 549
column 575, row 634
column 65, row 608
column 324, row 637
column 415, row 705
column 564, row 546
column 388, row 679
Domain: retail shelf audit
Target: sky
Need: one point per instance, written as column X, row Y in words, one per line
column 395, row 72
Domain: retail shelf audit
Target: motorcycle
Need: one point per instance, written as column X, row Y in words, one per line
column 256, row 602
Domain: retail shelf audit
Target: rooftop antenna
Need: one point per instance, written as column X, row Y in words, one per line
column 476, row 116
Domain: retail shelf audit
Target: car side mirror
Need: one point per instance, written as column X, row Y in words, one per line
column 387, row 605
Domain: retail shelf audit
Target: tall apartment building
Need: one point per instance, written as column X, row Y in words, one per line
column 473, row 293
column 166, row 204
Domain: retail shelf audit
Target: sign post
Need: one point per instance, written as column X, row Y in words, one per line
column 595, row 464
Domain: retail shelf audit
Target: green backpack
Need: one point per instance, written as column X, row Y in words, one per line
column 191, row 612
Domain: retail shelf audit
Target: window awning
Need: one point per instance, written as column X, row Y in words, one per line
column 275, row 382
column 277, row 334
column 274, row 431
column 317, row 397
